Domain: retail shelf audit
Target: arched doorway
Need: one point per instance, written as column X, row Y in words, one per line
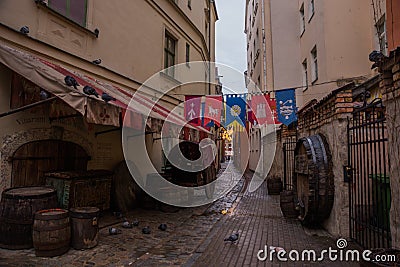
column 33, row 159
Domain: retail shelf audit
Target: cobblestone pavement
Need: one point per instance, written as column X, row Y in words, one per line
column 194, row 236
column 186, row 230
column 259, row 222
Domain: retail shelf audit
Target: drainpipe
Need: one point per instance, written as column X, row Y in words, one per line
column 264, row 89
column 209, row 47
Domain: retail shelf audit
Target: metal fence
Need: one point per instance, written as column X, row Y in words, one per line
column 368, row 176
column 289, row 145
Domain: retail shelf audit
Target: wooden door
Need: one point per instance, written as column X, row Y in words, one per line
column 32, row 160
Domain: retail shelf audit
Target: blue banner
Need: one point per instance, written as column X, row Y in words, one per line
column 286, row 106
column 235, row 109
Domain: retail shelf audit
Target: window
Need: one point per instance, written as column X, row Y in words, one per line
column 74, row 10
column 302, row 20
column 259, row 81
column 254, row 45
column 314, row 65
column 311, row 10
column 257, row 35
column 305, row 75
column 381, row 34
column 187, row 54
column 189, row 4
column 169, row 54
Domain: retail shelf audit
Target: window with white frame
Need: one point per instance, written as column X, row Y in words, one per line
column 305, row 75
column 311, row 10
column 381, row 34
column 314, row 65
column 302, row 20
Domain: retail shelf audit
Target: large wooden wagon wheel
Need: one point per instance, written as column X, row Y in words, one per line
column 313, row 180
column 210, row 176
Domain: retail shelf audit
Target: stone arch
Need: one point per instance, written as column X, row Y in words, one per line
column 12, row 142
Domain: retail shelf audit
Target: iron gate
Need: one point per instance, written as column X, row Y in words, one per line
column 369, row 188
column 288, row 161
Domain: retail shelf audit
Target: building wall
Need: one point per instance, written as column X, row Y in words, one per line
column 131, row 46
column 343, row 33
column 393, row 24
column 391, row 98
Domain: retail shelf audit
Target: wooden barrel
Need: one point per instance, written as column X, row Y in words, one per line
column 17, row 209
column 313, row 179
column 51, row 232
column 287, row 204
column 274, row 185
column 84, row 227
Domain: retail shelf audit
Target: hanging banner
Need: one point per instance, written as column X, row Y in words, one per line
column 264, row 110
column 212, row 111
column 192, row 109
column 286, row 106
column 235, row 110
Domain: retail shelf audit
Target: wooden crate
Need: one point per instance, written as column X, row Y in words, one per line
column 82, row 188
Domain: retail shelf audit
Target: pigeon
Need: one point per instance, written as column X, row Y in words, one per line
column 162, row 227
column 90, row 91
column 135, row 223
column 70, row 81
column 127, row 224
column 96, row 32
column 146, row 230
column 24, row 30
column 44, row 95
column 232, row 238
column 107, row 98
column 114, row 231
column 375, row 56
column 97, row 61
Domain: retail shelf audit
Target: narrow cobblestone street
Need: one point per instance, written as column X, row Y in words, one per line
column 195, row 236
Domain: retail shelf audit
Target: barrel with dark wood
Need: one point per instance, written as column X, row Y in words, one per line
column 17, row 209
column 274, row 185
column 84, row 227
column 287, row 204
column 313, row 179
column 51, row 232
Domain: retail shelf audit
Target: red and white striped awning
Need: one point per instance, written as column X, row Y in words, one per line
column 50, row 77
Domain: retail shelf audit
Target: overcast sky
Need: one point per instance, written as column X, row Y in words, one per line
column 231, row 43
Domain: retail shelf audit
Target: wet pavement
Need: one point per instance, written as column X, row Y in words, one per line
column 194, row 236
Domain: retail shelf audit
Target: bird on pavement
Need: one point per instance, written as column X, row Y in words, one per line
column 24, row 30
column 107, row 98
column 127, row 224
column 90, row 91
column 70, row 81
column 232, row 238
column 162, row 227
column 135, row 223
column 146, row 230
column 114, row 231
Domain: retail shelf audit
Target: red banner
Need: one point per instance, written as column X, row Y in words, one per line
column 213, row 110
column 264, row 109
column 192, row 109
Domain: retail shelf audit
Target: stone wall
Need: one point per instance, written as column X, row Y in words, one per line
column 329, row 118
column 391, row 99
